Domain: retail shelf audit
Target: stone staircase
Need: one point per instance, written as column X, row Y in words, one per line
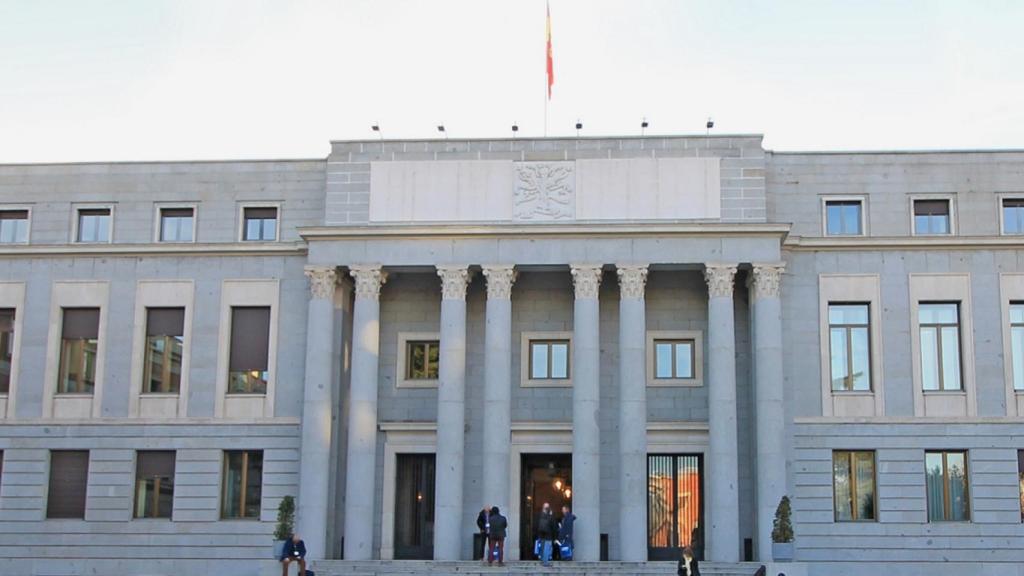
column 417, row 567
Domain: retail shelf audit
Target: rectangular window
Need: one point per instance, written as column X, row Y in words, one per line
column 1017, row 344
column 946, row 476
column 422, row 359
column 1020, row 478
column 243, row 484
column 13, row 226
column 853, row 481
column 6, row 348
column 93, row 225
column 165, row 337
column 549, row 359
column 939, row 323
column 850, row 346
column 673, row 359
column 250, row 347
column 843, row 217
column 260, row 224
column 79, row 342
column 154, row 483
column 176, row 224
column 69, row 477
column 1013, row 215
column 931, row 217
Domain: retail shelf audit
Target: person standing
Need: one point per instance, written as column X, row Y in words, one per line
column 547, row 528
column 565, row 528
column 687, row 564
column 294, row 551
column 483, row 523
column 496, row 536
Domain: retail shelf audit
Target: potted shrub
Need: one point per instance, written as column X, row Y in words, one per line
column 782, row 532
column 285, row 525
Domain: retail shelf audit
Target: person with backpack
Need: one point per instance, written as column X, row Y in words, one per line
column 547, row 528
column 496, row 537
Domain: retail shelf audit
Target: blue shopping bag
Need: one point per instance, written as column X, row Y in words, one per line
column 566, row 551
column 537, row 547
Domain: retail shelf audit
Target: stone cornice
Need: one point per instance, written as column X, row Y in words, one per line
column 874, row 243
column 577, row 229
column 158, row 249
column 632, row 280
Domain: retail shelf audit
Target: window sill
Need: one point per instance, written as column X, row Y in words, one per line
column 674, row 383
column 159, row 395
column 244, row 394
column 945, row 392
column 73, row 395
column 853, row 392
column 546, row 383
column 417, row 383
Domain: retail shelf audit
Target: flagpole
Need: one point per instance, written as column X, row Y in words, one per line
column 545, row 108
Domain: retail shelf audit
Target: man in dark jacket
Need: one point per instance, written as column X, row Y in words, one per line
column 483, row 524
column 496, row 536
column 294, row 551
column 546, row 531
column 565, row 527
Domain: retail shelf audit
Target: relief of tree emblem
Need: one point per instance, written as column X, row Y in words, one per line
column 544, row 191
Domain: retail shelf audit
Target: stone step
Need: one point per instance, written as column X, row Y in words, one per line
column 419, row 567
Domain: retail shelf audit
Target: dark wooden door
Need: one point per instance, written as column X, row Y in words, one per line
column 414, row 507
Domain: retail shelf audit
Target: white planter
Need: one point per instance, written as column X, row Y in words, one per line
column 278, row 549
column 782, row 551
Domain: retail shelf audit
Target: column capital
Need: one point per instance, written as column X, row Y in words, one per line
column 720, row 279
column 454, row 280
column 368, row 280
column 499, row 281
column 586, row 279
column 632, row 280
column 764, row 281
column 322, row 281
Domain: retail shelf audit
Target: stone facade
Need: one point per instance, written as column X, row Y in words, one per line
column 743, row 266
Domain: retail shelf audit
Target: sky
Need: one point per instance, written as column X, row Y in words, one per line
column 96, row 80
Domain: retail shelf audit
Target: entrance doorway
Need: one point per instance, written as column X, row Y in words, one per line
column 544, row 478
column 675, row 505
column 414, row 507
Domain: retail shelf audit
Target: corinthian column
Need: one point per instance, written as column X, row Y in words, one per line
column 632, row 412
column 362, row 418
column 451, row 415
column 723, row 537
column 768, row 389
column 586, row 445
column 498, row 385
column 317, row 403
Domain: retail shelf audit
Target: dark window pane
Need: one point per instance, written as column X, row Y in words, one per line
column 243, row 484
column 422, row 360
column 6, row 348
column 947, row 486
column 154, row 484
column 250, row 347
column 69, row 477
column 78, row 353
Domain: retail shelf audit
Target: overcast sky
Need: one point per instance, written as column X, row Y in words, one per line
column 146, row 79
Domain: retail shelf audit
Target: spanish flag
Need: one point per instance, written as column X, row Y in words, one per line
column 550, row 58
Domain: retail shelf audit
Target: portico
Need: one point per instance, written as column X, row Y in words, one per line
column 476, row 465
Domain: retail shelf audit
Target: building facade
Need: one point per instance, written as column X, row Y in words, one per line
column 668, row 334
